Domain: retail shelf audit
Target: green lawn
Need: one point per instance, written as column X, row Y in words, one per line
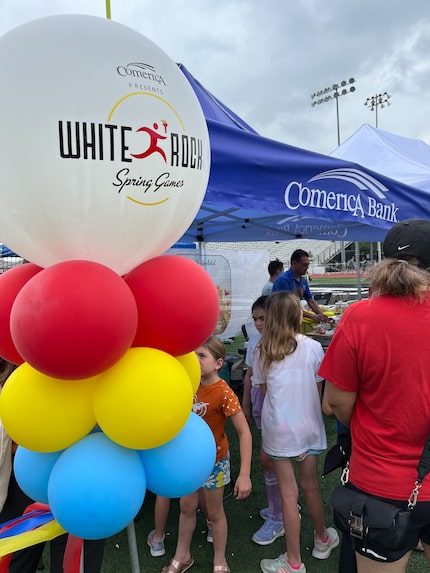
column 243, row 518
column 333, row 281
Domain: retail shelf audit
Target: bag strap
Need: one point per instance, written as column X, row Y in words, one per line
column 423, row 467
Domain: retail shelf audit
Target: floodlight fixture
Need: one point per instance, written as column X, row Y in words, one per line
column 377, row 100
column 334, row 91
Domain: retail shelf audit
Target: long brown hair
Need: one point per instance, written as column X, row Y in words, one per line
column 281, row 325
column 399, row 278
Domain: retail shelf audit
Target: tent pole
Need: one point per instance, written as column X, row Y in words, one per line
column 358, row 270
column 379, row 252
column 132, row 548
column 201, row 249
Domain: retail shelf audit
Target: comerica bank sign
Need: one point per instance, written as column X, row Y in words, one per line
column 360, row 204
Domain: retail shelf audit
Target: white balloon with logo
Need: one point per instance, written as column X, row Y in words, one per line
column 104, row 149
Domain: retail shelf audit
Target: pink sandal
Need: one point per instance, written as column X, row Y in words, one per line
column 221, row 569
column 178, row 566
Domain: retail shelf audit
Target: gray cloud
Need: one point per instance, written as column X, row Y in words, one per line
column 265, row 59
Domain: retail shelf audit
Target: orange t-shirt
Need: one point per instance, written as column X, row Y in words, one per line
column 215, row 403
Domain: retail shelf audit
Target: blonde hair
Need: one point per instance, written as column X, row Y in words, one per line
column 398, row 278
column 216, row 347
column 281, row 325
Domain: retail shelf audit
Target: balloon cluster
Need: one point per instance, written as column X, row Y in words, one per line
column 102, row 326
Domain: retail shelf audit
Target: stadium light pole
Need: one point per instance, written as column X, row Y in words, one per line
column 334, row 92
column 372, row 103
column 323, row 96
column 378, row 100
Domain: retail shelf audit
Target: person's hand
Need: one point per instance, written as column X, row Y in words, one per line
column 321, row 318
column 242, row 487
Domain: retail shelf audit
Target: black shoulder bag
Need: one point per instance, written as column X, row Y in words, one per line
column 375, row 525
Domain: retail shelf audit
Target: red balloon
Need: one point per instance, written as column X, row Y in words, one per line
column 177, row 301
column 74, row 319
column 11, row 282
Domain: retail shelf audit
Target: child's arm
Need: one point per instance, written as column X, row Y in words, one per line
column 246, row 400
column 243, row 486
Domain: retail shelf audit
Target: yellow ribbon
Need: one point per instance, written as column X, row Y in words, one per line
column 45, row 532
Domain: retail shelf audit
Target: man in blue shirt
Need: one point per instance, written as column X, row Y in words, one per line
column 294, row 280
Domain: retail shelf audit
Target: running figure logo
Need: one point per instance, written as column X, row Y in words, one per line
column 154, row 137
column 199, row 408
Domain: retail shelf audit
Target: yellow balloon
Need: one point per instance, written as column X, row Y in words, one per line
column 144, row 399
column 192, row 365
column 46, row 414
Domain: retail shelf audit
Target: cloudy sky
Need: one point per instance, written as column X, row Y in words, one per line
column 264, row 59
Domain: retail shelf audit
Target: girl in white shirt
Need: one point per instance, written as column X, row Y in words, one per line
column 285, row 365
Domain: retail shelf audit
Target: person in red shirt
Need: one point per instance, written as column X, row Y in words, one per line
column 378, row 383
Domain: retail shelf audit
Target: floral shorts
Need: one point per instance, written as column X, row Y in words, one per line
column 220, row 475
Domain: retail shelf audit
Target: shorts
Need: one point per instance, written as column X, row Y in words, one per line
column 220, row 475
column 300, row 457
column 257, row 399
column 420, row 529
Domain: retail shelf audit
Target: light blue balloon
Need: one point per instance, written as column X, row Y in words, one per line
column 32, row 471
column 96, row 487
column 183, row 464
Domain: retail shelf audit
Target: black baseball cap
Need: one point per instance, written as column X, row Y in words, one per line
column 410, row 237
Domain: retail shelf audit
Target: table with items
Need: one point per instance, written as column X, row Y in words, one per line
column 323, row 332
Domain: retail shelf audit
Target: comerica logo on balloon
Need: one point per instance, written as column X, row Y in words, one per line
column 138, row 70
column 157, row 140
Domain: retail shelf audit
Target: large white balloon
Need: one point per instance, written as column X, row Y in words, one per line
column 104, row 149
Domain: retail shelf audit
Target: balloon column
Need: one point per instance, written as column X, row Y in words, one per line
column 104, row 155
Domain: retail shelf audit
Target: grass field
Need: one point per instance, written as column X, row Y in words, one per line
column 243, row 518
column 337, row 281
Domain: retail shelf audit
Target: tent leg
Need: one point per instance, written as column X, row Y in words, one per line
column 358, row 270
column 202, row 253
column 379, row 252
column 132, row 548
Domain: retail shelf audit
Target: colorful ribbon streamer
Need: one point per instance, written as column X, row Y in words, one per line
column 36, row 525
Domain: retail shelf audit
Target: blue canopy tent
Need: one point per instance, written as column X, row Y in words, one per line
column 6, row 252
column 260, row 189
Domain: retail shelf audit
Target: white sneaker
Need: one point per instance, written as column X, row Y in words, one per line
column 280, row 563
column 156, row 546
column 322, row 550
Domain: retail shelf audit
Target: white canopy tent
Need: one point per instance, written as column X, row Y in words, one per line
column 401, row 158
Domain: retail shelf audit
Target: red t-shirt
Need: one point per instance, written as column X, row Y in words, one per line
column 215, row 403
column 381, row 350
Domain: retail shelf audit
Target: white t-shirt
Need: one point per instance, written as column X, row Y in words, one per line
column 291, row 417
column 252, row 343
column 267, row 289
